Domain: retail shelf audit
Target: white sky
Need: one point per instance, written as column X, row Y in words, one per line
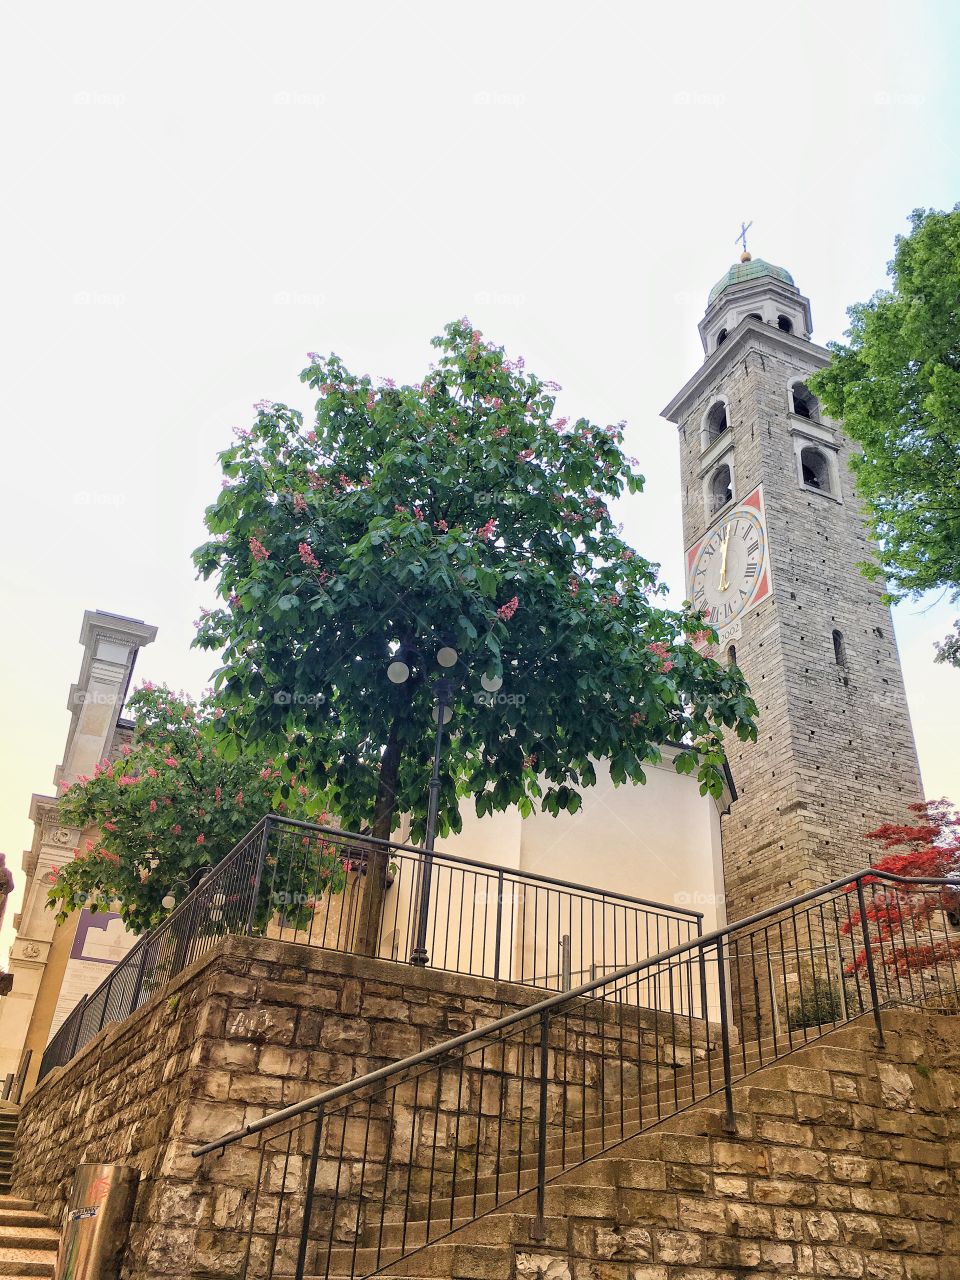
column 195, row 195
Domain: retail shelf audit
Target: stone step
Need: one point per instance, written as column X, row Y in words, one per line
column 493, row 1228
column 14, row 1202
column 22, row 1218
column 37, row 1235
column 442, row 1260
column 27, row 1261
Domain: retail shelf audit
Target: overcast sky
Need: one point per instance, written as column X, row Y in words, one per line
column 195, row 195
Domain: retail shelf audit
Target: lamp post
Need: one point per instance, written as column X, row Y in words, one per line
column 398, row 672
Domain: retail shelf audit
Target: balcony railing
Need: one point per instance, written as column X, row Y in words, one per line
column 298, row 882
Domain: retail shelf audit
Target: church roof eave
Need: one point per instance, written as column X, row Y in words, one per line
column 730, row 351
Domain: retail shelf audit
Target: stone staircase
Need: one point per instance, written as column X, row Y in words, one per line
column 28, row 1240
column 823, row 1177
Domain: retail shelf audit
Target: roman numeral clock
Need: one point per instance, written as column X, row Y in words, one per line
column 728, row 569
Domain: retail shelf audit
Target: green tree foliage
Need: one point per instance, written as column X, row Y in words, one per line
column 167, row 810
column 460, row 511
column 896, row 385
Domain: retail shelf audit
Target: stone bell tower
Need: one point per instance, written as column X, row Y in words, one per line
column 773, row 535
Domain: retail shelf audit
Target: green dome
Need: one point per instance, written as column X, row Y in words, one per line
column 742, row 272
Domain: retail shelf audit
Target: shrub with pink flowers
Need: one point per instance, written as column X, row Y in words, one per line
column 168, row 809
column 459, row 510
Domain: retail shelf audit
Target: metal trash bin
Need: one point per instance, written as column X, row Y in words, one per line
column 97, row 1222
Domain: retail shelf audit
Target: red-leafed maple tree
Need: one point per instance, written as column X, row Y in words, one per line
column 912, row 926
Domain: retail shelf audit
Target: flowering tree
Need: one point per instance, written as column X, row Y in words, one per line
column 167, row 810
column 459, row 511
column 906, row 922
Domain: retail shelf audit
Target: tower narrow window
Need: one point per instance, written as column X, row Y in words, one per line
column 716, row 421
column 785, row 324
column 755, row 315
column 815, row 470
column 721, row 337
column 732, row 656
column 804, row 404
column 839, row 649
column 721, row 488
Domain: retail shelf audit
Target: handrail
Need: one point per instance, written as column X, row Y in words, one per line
column 536, row 1011
column 527, row 905
column 519, row 872
column 74, row 1020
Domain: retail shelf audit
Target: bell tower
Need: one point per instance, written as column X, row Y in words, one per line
column 773, row 534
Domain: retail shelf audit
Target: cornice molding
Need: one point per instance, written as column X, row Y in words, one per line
column 732, row 350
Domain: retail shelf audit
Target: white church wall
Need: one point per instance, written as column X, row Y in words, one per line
column 659, row 841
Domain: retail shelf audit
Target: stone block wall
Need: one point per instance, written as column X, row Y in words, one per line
column 252, row 1027
column 845, row 1163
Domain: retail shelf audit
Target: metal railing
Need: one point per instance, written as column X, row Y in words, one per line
column 299, row 882
column 361, row 1176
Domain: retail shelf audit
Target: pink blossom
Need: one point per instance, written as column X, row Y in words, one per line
column 153, row 806
column 613, row 599
column 441, row 526
column 574, row 585
column 487, row 531
column 110, row 826
column 524, row 455
column 200, row 838
column 307, row 556
column 506, row 611
column 176, row 828
column 238, row 799
column 626, row 554
column 265, row 773
column 152, row 771
column 299, row 502
column 171, row 761
column 258, row 550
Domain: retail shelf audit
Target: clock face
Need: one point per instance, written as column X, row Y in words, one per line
column 728, row 568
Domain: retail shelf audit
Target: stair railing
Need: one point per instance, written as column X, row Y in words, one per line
column 354, row 1179
column 299, row 882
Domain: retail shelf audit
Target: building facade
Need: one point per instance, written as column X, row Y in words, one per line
column 774, row 534
column 53, row 966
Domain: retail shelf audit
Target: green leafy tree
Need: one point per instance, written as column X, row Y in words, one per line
column 896, row 385
column 457, row 511
column 168, row 809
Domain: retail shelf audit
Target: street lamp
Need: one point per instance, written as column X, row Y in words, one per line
column 398, row 672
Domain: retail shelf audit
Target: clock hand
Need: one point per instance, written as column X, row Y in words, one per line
column 725, row 544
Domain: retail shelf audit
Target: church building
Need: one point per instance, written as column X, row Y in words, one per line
column 773, row 535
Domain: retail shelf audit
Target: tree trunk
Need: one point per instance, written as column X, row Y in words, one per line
column 375, row 881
